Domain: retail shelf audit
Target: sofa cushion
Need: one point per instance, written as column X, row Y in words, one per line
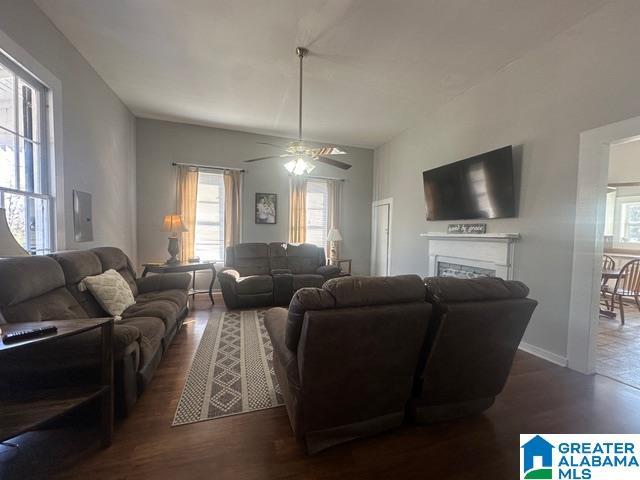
column 179, row 297
column 111, row 291
column 165, row 310
column 250, row 259
column 302, row 258
column 57, row 304
column 25, row 278
column 152, row 332
column 254, row 284
column 367, row 291
column 76, row 265
column 303, row 300
column 111, row 257
column 307, row 280
column 451, row 289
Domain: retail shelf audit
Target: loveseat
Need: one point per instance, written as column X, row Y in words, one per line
column 44, row 288
column 363, row 354
column 265, row 274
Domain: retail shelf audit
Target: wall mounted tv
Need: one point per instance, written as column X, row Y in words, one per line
column 477, row 187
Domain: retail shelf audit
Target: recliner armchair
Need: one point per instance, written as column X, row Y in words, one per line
column 261, row 274
column 470, row 345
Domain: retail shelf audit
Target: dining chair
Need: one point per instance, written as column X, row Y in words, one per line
column 608, row 263
column 627, row 286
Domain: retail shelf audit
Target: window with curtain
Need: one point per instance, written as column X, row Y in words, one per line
column 317, row 210
column 24, row 173
column 209, row 241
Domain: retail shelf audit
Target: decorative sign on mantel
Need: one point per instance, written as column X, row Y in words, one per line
column 477, row 228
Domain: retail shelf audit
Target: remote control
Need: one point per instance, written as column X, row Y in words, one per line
column 27, row 334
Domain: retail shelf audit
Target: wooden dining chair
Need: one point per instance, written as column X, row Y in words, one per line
column 608, row 263
column 627, row 286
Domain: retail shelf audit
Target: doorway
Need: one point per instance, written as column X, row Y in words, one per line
column 381, row 237
column 589, row 239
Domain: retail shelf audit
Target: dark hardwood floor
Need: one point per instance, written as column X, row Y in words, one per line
column 539, row 397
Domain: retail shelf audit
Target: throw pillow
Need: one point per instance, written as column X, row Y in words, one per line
column 111, row 290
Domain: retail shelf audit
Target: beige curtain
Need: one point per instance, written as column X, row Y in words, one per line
column 186, row 199
column 297, row 209
column 334, row 190
column 232, row 225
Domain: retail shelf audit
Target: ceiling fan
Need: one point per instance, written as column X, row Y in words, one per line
column 304, row 156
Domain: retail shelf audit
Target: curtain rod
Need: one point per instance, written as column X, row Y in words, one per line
column 210, row 167
column 324, row 178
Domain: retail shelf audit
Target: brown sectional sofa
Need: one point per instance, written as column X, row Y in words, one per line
column 265, row 274
column 362, row 354
column 46, row 288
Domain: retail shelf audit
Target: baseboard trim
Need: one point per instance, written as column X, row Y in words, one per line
column 544, row 354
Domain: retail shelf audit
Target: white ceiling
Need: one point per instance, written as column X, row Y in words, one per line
column 375, row 65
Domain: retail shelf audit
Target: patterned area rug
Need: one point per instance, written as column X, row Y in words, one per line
column 232, row 370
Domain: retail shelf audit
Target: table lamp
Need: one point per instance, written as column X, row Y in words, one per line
column 333, row 237
column 9, row 246
column 173, row 224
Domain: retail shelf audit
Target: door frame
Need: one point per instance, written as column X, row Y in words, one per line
column 588, row 243
column 374, row 205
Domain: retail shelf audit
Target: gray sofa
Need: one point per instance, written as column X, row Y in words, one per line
column 46, row 288
column 264, row 274
column 363, row 354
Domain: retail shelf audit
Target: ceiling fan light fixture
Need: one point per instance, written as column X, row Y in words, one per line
column 299, row 166
column 290, row 166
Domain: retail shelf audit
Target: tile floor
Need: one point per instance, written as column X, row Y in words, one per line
column 618, row 347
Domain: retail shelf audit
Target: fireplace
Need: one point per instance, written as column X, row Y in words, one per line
column 471, row 255
column 446, row 269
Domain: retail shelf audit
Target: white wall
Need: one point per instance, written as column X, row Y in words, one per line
column 579, row 80
column 160, row 143
column 624, row 162
column 98, row 131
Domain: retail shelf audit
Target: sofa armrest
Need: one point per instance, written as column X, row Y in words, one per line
column 275, row 321
column 281, row 271
column 228, row 275
column 328, row 271
column 165, row 281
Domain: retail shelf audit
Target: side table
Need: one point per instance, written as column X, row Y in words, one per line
column 347, row 261
column 25, row 409
column 184, row 267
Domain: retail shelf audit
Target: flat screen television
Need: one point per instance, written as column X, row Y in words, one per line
column 474, row 188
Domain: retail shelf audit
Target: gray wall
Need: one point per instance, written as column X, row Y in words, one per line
column 579, row 80
column 98, row 131
column 160, row 143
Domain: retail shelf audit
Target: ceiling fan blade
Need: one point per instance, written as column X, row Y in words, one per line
column 272, row 145
column 328, row 150
column 334, row 163
column 260, row 158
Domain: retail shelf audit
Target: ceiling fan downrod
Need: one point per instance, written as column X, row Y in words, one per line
column 301, row 52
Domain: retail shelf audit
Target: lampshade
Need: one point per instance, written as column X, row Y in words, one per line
column 173, row 223
column 334, row 235
column 9, row 246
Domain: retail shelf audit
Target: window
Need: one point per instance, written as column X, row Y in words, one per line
column 24, row 185
column 209, row 243
column 630, row 225
column 317, row 212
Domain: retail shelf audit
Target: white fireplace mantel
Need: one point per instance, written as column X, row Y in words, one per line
column 489, row 251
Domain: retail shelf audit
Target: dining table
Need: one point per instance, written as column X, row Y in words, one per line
column 610, row 274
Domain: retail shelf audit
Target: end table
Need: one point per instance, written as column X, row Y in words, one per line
column 185, row 267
